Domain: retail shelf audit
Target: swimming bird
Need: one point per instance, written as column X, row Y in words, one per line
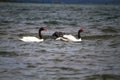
column 34, row 39
column 67, row 37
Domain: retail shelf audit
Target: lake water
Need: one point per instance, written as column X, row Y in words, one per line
column 97, row 57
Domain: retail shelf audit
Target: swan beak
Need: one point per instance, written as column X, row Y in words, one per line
column 45, row 28
column 82, row 30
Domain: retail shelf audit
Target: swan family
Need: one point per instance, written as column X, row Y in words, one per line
column 56, row 35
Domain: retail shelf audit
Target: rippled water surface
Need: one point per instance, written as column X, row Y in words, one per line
column 97, row 57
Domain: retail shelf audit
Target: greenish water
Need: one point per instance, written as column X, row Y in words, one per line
column 97, row 57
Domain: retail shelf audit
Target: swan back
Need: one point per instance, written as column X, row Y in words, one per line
column 71, row 38
column 31, row 39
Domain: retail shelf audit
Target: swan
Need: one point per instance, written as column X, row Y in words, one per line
column 67, row 37
column 34, row 39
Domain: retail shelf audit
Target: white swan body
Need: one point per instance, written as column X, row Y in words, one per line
column 31, row 39
column 69, row 38
column 34, row 39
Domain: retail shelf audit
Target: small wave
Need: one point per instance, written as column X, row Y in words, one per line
column 8, row 54
column 110, row 30
column 115, row 45
column 112, row 17
column 103, row 77
column 6, row 22
column 51, row 22
column 100, row 37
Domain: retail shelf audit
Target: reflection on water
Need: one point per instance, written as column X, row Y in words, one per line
column 103, row 77
column 97, row 57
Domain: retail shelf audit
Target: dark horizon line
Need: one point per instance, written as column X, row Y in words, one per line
column 59, row 2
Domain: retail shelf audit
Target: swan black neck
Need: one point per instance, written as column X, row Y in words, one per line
column 40, row 36
column 41, row 29
column 79, row 36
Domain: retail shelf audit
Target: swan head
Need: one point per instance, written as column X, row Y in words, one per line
column 81, row 30
column 43, row 29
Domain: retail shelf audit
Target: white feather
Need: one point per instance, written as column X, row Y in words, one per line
column 69, row 38
column 31, row 39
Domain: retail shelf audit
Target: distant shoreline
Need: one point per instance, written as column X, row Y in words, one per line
column 60, row 3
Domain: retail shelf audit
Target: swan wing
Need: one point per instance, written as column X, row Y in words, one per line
column 71, row 38
column 62, row 38
column 31, row 39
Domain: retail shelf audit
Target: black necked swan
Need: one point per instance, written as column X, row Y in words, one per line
column 67, row 37
column 34, row 39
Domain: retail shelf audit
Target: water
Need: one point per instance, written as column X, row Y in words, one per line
column 97, row 57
